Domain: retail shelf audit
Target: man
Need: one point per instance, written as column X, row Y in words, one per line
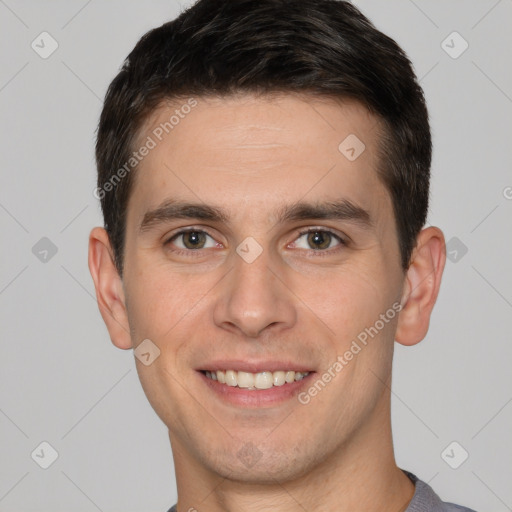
column 263, row 170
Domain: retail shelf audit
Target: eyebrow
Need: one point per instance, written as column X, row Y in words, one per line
column 174, row 209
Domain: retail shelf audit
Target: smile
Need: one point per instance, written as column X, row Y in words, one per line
column 254, row 381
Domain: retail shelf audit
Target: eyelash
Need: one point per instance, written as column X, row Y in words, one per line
column 317, row 252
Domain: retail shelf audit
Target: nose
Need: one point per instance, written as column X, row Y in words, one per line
column 254, row 297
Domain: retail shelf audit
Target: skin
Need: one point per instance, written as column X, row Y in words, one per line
column 250, row 155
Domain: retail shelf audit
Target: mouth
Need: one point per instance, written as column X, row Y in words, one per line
column 255, row 381
column 258, row 388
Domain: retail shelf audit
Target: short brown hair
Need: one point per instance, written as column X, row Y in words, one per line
column 221, row 47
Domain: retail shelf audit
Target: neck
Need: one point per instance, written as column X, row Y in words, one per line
column 360, row 475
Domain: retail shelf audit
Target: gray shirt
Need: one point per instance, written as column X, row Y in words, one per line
column 424, row 499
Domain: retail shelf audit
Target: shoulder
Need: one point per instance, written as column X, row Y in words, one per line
column 426, row 500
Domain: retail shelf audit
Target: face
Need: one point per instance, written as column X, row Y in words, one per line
column 255, row 243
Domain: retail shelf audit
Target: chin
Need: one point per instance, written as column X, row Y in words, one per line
column 261, row 465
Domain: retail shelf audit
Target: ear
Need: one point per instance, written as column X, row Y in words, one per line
column 109, row 288
column 421, row 286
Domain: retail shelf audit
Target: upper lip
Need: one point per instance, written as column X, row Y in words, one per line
column 254, row 366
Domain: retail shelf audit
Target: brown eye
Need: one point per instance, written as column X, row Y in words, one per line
column 319, row 239
column 191, row 239
column 194, row 239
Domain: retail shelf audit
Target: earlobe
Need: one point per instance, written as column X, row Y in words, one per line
column 109, row 288
column 421, row 287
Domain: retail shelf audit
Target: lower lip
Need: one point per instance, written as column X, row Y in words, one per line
column 257, row 397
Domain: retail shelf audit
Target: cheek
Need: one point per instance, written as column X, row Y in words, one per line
column 348, row 299
column 161, row 302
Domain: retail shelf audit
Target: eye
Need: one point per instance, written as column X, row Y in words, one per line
column 318, row 240
column 192, row 239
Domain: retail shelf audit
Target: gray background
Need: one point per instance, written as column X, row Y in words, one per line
column 63, row 382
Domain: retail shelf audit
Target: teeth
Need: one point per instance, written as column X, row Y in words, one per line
column 261, row 380
column 245, row 380
column 230, row 378
column 279, row 378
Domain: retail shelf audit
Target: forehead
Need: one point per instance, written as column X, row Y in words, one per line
column 251, row 153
